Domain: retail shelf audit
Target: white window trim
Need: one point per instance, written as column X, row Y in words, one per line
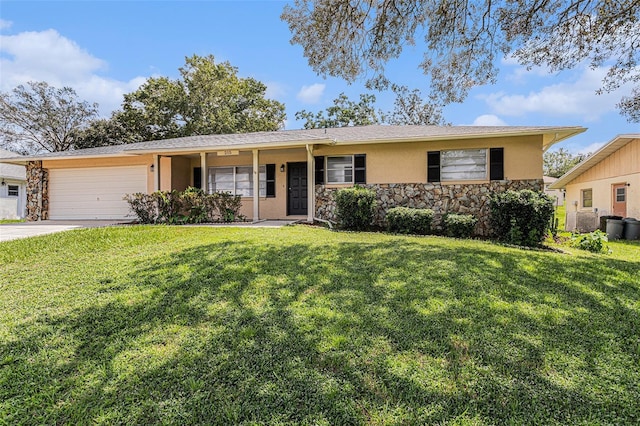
column 353, row 169
column 486, row 165
column 262, row 190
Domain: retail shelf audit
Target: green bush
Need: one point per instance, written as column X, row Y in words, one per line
column 405, row 220
column 191, row 206
column 595, row 242
column 355, row 208
column 459, row 225
column 521, row 217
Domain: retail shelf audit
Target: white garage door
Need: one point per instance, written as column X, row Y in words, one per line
column 94, row 193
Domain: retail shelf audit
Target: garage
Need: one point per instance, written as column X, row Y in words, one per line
column 94, row 193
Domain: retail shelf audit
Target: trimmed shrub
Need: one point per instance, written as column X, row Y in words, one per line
column 405, row 220
column 355, row 208
column 521, row 217
column 459, row 225
column 191, row 206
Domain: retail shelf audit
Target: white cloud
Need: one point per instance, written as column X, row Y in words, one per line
column 575, row 98
column 591, row 148
column 488, row 120
column 311, row 94
column 51, row 57
column 5, row 25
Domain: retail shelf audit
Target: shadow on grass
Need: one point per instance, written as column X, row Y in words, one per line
column 401, row 331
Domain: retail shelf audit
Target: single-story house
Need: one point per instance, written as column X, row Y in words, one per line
column 446, row 168
column 556, row 194
column 13, row 188
column 607, row 183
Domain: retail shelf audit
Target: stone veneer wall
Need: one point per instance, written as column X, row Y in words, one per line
column 37, row 191
column 459, row 198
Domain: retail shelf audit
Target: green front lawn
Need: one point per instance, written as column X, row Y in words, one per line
column 192, row 325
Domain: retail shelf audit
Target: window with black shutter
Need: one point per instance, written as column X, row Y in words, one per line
column 433, row 166
column 271, row 180
column 319, row 160
column 496, row 163
column 360, row 166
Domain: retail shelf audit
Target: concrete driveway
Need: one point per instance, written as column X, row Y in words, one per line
column 13, row 231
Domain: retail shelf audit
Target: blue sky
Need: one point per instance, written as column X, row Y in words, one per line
column 104, row 49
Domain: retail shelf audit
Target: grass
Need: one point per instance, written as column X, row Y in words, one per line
column 11, row 221
column 560, row 216
column 191, row 325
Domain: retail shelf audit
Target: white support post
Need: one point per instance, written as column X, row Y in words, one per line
column 204, row 174
column 156, row 172
column 311, row 186
column 256, row 187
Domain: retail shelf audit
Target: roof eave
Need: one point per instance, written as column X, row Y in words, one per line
column 606, row 150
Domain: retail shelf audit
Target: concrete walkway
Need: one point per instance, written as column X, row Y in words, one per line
column 13, row 231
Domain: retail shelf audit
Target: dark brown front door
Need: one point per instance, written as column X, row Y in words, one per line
column 297, row 188
column 620, row 199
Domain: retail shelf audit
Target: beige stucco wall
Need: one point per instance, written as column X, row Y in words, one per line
column 622, row 166
column 603, row 196
column 407, row 162
column 106, row 162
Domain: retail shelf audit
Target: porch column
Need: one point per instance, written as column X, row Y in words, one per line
column 256, row 187
column 156, row 172
column 204, row 174
column 311, row 187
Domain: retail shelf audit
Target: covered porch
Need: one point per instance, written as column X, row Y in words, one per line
column 284, row 178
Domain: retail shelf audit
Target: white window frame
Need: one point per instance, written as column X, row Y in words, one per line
column 582, row 192
column 328, row 170
column 262, row 180
column 444, row 173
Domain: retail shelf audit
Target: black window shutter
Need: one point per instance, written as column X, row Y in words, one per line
column 496, row 163
column 197, row 177
column 360, row 165
column 433, row 166
column 271, row 180
column 319, row 170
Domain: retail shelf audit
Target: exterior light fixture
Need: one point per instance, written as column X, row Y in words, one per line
column 152, row 168
column 282, row 168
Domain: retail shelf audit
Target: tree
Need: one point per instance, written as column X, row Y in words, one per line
column 344, row 112
column 464, row 39
column 557, row 163
column 208, row 98
column 39, row 118
column 409, row 108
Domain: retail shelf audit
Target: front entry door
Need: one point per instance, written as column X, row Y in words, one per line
column 297, row 186
column 620, row 199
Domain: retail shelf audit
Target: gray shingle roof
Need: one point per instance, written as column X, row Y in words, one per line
column 288, row 138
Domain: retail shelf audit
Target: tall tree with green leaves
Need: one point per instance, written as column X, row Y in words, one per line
column 464, row 40
column 557, row 163
column 40, row 118
column 208, row 98
column 344, row 112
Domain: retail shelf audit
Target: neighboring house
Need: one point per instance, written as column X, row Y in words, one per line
column 556, row 194
column 448, row 169
column 605, row 184
column 13, row 188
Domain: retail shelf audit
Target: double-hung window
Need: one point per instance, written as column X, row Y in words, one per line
column 237, row 180
column 341, row 169
column 587, row 198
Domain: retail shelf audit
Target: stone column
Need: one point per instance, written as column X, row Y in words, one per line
column 37, row 192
